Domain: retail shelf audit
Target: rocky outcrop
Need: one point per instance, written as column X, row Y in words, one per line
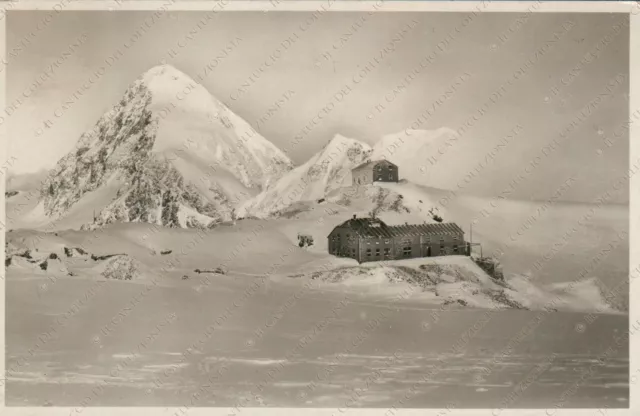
column 118, row 146
column 121, row 267
column 491, row 266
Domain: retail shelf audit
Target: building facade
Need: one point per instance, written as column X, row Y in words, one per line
column 374, row 171
column 370, row 239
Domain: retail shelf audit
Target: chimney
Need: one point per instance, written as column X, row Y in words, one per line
column 354, row 216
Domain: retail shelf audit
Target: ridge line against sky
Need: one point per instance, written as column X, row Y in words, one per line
column 354, row 40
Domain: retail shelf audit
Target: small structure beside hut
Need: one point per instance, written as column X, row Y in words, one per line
column 374, row 171
column 305, row 240
column 370, row 239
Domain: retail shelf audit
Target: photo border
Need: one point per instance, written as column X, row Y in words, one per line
column 632, row 8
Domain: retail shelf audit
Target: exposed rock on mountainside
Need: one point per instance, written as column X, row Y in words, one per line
column 122, row 146
column 34, row 262
column 75, row 252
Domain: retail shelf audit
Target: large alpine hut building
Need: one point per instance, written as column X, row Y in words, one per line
column 370, row 239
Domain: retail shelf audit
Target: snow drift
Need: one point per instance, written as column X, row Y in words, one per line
column 456, row 282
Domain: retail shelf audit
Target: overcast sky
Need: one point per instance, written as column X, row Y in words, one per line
column 312, row 86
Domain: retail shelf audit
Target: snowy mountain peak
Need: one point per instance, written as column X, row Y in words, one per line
column 326, row 171
column 172, row 88
column 197, row 124
column 171, row 153
column 341, row 149
column 166, row 72
column 341, row 141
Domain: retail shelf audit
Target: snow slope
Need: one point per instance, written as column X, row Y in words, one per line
column 182, row 158
column 328, row 170
column 204, row 129
column 451, row 281
column 456, row 281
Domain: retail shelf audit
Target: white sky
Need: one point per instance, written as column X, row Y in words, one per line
column 312, row 86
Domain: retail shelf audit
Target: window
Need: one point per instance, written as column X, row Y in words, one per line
column 377, row 242
column 386, row 253
column 368, row 252
column 455, row 238
column 377, row 252
column 428, row 238
column 455, row 249
column 406, row 251
column 387, row 241
column 353, row 252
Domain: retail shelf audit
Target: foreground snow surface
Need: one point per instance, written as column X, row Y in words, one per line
column 316, row 322
column 289, row 345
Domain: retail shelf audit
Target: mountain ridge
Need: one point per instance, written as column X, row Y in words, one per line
column 172, row 154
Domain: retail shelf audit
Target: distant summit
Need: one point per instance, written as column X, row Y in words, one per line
column 327, row 170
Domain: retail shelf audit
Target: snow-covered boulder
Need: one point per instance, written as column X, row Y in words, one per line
column 120, row 267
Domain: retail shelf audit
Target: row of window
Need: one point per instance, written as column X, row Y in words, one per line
column 407, row 242
column 387, row 252
column 406, row 251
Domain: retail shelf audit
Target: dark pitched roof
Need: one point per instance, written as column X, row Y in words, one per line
column 449, row 228
column 363, row 224
column 363, row 228
column 371, row 162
